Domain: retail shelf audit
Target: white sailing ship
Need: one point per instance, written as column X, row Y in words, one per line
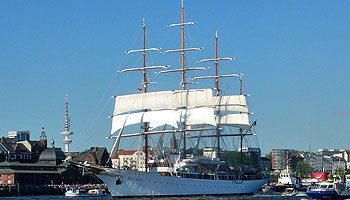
column 186, row 111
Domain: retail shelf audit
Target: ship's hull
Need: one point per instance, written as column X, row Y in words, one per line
column 283, row 187
column 326, row 195
column 125, row 183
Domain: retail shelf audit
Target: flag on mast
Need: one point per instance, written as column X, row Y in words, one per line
column 253, row 124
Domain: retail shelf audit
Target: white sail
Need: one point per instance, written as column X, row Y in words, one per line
column 192, row 117
column 194, row 98
column 234, row 120
column 155, row 118
column 231, row 103
column 198, row 117
column 151, row 100
column 163, row 100
column 115, row 148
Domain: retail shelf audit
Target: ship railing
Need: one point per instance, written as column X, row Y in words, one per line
column 237, row 181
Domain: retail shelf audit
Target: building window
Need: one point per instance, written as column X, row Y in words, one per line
column 9, row 181
column 9, row 177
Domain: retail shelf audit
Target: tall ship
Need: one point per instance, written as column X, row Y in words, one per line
column 185, row 115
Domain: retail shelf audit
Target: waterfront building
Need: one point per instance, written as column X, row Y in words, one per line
column 212, row 152
column 344, row 154
column 279, row 159
column 19, row 135
column 320, row 164
column 27, row 162
column 22, row 151
column 327, row 152
column 48, row 170
column 130, row 159
column 94, row 155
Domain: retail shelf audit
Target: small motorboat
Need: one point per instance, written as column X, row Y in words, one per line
column 289, row 192
column 293, row 192
column 80, row 192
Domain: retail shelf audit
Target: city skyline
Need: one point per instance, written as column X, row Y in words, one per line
column 293, row 56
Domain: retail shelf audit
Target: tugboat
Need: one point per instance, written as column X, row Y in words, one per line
column 287, row 180
column 334, row 190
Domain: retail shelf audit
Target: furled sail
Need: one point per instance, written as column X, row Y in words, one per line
column 234, row 120
column 193, row 116
column 231, row 103
column 163, row 100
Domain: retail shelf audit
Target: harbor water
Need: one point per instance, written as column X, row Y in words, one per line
column 258, row 196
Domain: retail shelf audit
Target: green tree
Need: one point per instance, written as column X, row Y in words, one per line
column 303, row 170
column 190, row 151
column 274, row 177
column 269, row 156
column 234, row 157
column 339, row 174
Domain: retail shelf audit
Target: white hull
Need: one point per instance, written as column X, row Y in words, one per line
column 137, row 184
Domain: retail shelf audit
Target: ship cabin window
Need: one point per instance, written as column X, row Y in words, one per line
column 323, row 186
column 330, row 186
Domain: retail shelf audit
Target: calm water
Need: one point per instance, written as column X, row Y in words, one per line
column 259, row 196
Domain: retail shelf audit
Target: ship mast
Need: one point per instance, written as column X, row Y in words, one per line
column 216, row 77
column 144, row 83
column 182, row 69
column 183, row 84
column 240, row 130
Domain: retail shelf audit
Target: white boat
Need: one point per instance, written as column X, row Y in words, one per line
column 331, row 190
column 187, row 111
column 287, row 181
column 80, row 192
column 289, row 192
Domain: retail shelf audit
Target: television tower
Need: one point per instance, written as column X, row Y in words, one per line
column 66, row 133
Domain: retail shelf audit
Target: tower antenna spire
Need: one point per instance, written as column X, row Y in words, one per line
column 66, row 133
column 66, row 117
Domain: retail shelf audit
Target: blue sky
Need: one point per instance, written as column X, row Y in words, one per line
column 294, row 54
